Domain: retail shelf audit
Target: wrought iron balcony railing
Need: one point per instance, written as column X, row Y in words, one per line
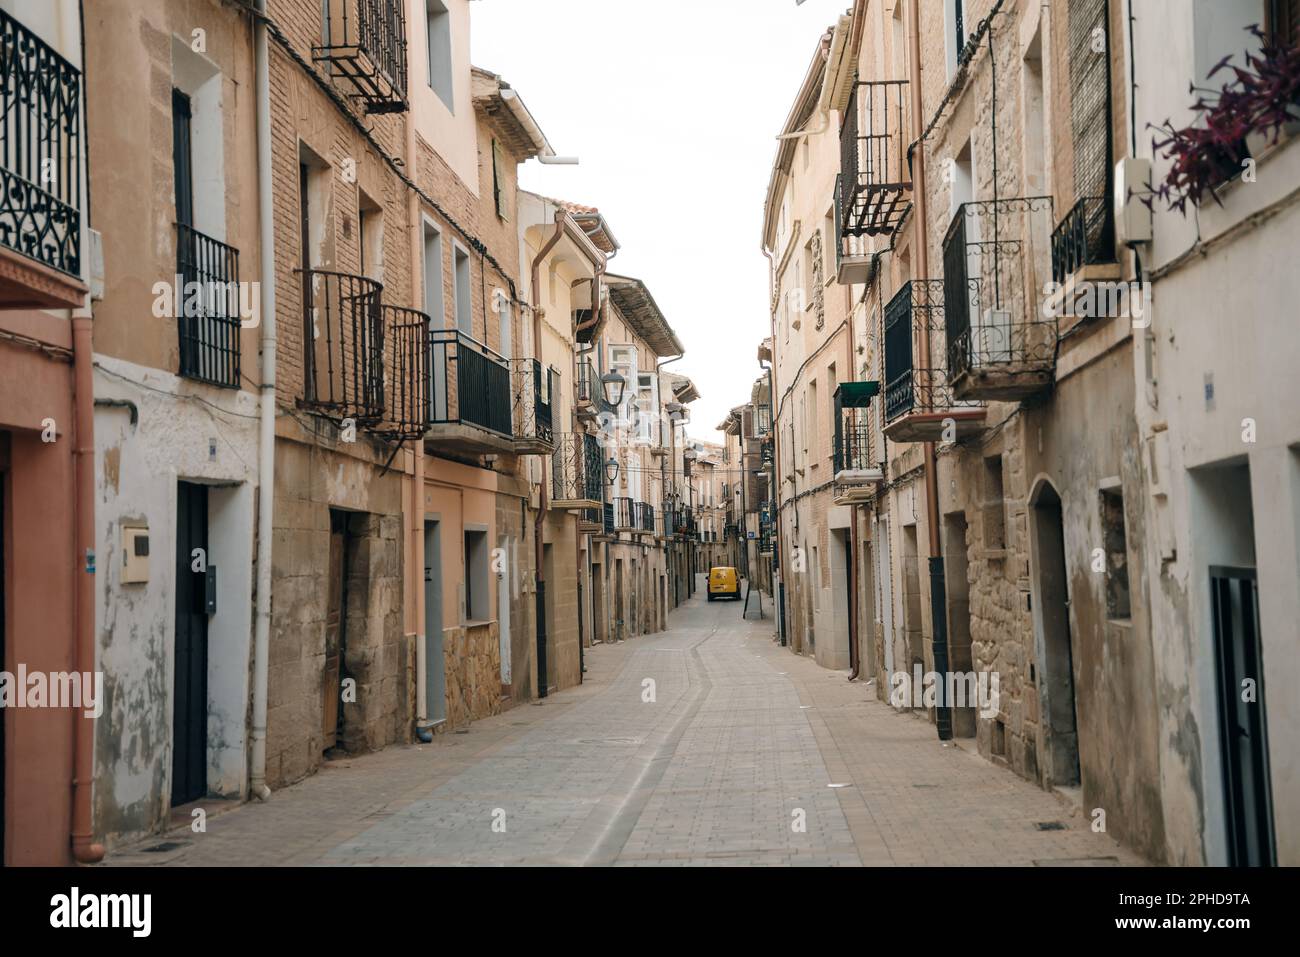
column 625, row 519
column 1085, row 237
column 855, row 459
column 645, row 516
column 607, row 519
column 363, row 44
column 875, row 173
column 407, row 371
column 343, row 355
column 207, row 308
column 588, row 383
column 995, row 266
column 470, row 383
column 918, row 398
column 41, row 145
column 577, row 471
column 533, row 408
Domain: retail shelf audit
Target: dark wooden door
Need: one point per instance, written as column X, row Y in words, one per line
column 335, row 628
column 190, row 681
column 1243, row 732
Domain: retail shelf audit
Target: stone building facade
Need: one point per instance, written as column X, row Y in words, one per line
column 1026, row 488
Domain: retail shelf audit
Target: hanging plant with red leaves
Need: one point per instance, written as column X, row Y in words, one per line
column 1261, row 97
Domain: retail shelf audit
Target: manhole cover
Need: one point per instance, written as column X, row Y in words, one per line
column 1049, row 825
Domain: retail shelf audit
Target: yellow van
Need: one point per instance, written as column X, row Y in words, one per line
column 723, row 580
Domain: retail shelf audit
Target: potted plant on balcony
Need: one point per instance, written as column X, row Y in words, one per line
column 1251, row 111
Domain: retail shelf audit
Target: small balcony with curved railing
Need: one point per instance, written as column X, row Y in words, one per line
column 343, row 347
column 1001, row 342
column 577, row 472
column 918, row 404
column 407, row 376
column 470, row 408
column 533, row 406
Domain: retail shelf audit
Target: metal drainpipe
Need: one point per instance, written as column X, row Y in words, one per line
column 539, row 576
column 415, row 529
column 938, row 591
column 85, row 848
column 266, row 435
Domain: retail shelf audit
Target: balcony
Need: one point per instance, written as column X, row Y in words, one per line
column 857, row 467
column 995, row 269
column 591, row 521
column 41, row 149
column 762, row 420
column 1085, row 238
column 363, row 47
column 533, row 410
column 470, row 397
column 644, row 517
column 207, row 308
column 577, row 472
column 919, row 405
column 875, row 181
column 625, row 517
column 664, row 520
column 407, row 373
column 588, row 392
column 343, row 333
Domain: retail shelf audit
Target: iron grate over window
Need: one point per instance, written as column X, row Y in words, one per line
column 208, row 308
column 40, row 150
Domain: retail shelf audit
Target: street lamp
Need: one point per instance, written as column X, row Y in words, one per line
column 608, row 383
column 611, row 470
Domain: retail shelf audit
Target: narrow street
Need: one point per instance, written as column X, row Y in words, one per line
column 740, row 738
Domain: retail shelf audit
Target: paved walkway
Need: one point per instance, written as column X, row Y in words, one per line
column 731, row 762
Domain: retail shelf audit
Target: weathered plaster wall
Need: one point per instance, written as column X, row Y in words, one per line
column 176, row 438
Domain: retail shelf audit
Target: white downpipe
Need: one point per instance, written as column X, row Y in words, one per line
column 266, row 437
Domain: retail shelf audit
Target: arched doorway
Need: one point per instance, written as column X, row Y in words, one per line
column 1051, row 602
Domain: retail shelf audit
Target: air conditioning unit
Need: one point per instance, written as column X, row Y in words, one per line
column 1132, row 192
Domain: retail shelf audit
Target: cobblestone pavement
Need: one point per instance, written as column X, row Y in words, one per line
column 731, row 763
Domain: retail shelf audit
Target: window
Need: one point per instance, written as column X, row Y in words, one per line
column 1282, row 24
column 498, row 188
column 463, row 291
column 814, row 441
column 182, row 164
column 432, row 272
column 370, row 237
column 898, row 41
column 438, row 40
column 477, row 604
column 993, row 508
column 954, row 15
column 505, row 314
column 647, row 409
column 1116, row 547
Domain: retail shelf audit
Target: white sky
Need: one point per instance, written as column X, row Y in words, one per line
column 673, row 108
